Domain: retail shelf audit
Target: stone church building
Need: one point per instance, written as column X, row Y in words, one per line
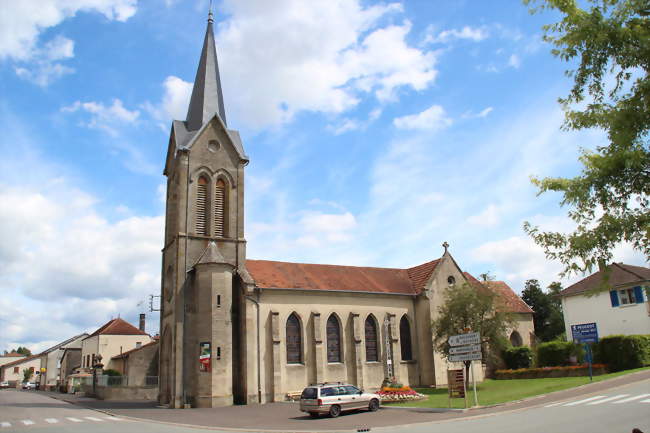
column 237, row 331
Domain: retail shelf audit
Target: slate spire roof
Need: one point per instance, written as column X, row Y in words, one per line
column 207, row 98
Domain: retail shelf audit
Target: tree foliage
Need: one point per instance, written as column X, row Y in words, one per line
column 470, row 307
column 547, row 317
column 27, row 374
column 609, row 43
column 21, row 349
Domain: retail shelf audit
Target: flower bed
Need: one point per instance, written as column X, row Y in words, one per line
column 399, row 393
column 544, row 372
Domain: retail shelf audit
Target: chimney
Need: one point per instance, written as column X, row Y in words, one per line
column 141, row 322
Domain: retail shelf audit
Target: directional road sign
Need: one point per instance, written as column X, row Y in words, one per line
column 464, row 349
column 585, row 333
column 471, row 338
column 465, row 357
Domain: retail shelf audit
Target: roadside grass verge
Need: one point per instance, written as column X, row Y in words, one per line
column 501, row 391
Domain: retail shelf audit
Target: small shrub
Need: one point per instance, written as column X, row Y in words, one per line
column 547, row 372
column 518, row 357
column 623, row 352
column 557, row 352
column 111, row 372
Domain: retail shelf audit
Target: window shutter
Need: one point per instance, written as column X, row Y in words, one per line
column 201, row 207
column 219, row 208
column 638, row 294
column 613, row 294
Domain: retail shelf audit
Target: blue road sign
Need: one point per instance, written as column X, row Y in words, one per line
column 585, row 333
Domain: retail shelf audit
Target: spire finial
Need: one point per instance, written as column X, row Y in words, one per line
column 210, row 20
column 445, row 245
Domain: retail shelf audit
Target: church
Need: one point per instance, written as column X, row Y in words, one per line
column 241, row 331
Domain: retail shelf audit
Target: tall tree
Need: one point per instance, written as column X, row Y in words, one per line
column 547, row 317
column 471, row 306
column 609, row 43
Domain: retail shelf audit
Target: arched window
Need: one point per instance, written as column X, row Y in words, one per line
column 202, row 206
column 371, row 339
column 515, row 339
column 294, row 340
column 405, row 339
column 220, row 208
column 333, row 339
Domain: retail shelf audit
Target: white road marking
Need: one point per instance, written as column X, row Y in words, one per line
column 27, row 422
column 112, row 418
column 5, row 424
column 575, row 403
column 554, row 404
column 51, row 420
column 92, row 418
column 636, row 397
column 605, row 400
column 647, row 400
column 73, row 419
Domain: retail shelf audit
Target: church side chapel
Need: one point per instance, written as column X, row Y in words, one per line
column 239, row 331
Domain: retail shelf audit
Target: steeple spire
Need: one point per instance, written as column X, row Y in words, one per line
column 207, row 98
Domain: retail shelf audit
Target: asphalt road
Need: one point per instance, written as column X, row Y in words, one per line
column 612, row 409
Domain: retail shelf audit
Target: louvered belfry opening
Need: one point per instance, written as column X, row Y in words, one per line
column 333, row 330
column 294, row 340
column 371, row 340
column 202, row 206
column 220, row 209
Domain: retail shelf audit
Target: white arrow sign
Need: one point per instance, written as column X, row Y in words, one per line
column 465, row 357
column 464, row 349
column 471, row 338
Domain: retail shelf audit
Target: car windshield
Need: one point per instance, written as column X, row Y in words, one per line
column 309, row 393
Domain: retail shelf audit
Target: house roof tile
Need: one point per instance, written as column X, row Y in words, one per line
column 619, row 274
column 128, row 352
column 117, row 327
column 510, row 301
column 20, row 361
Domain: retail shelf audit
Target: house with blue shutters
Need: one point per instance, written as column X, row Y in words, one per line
column 615, row 298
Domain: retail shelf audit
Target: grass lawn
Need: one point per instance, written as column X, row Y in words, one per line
column 500, row 391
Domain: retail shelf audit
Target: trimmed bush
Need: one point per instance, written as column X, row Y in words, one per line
column 554, row 353
column 111, row 372
column 623, row 352
column 546, row 372
column 518, row 357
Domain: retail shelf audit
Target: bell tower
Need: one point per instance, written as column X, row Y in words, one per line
column 204, row 249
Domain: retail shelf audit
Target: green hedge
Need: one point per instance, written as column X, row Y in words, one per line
column 518, row 357
column 623, row 352
column 554, row 353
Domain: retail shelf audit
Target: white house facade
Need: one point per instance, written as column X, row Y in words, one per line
column 621, row 307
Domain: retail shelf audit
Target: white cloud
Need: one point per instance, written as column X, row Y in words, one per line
column 345, row 126
column 481, row 114
column 63, row 263
column 335, row 54
column 487, row 218
column 433, row 118
column 475, row 34
column 174, row 102
column 22, row 23
column 514, row 61
column 109, row 118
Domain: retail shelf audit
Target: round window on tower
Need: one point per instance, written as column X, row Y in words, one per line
column 451, row 280
column 213, row 145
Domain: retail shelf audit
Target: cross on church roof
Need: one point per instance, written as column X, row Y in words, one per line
column 445, row 245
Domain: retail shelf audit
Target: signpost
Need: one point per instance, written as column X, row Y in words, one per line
column 465, row 348
column 586, row 333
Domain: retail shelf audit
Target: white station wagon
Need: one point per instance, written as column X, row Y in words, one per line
column 334, row 398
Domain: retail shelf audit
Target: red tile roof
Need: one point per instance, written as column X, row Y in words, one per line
column 510, row 301
column 284, row 275
column 420, row 274
column 620, row 274
column 20, row 361
column 128, row 352
column 13, row 355
column 117, row 327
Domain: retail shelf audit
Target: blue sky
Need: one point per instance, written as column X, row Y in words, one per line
column 376, row 131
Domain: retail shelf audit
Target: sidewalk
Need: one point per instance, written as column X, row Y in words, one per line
column 286, row 417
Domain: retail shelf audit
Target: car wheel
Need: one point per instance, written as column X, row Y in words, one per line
column 335, row 410
column 314, row 414
column 374, row 405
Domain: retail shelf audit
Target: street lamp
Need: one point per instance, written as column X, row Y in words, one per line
column 96, row 366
